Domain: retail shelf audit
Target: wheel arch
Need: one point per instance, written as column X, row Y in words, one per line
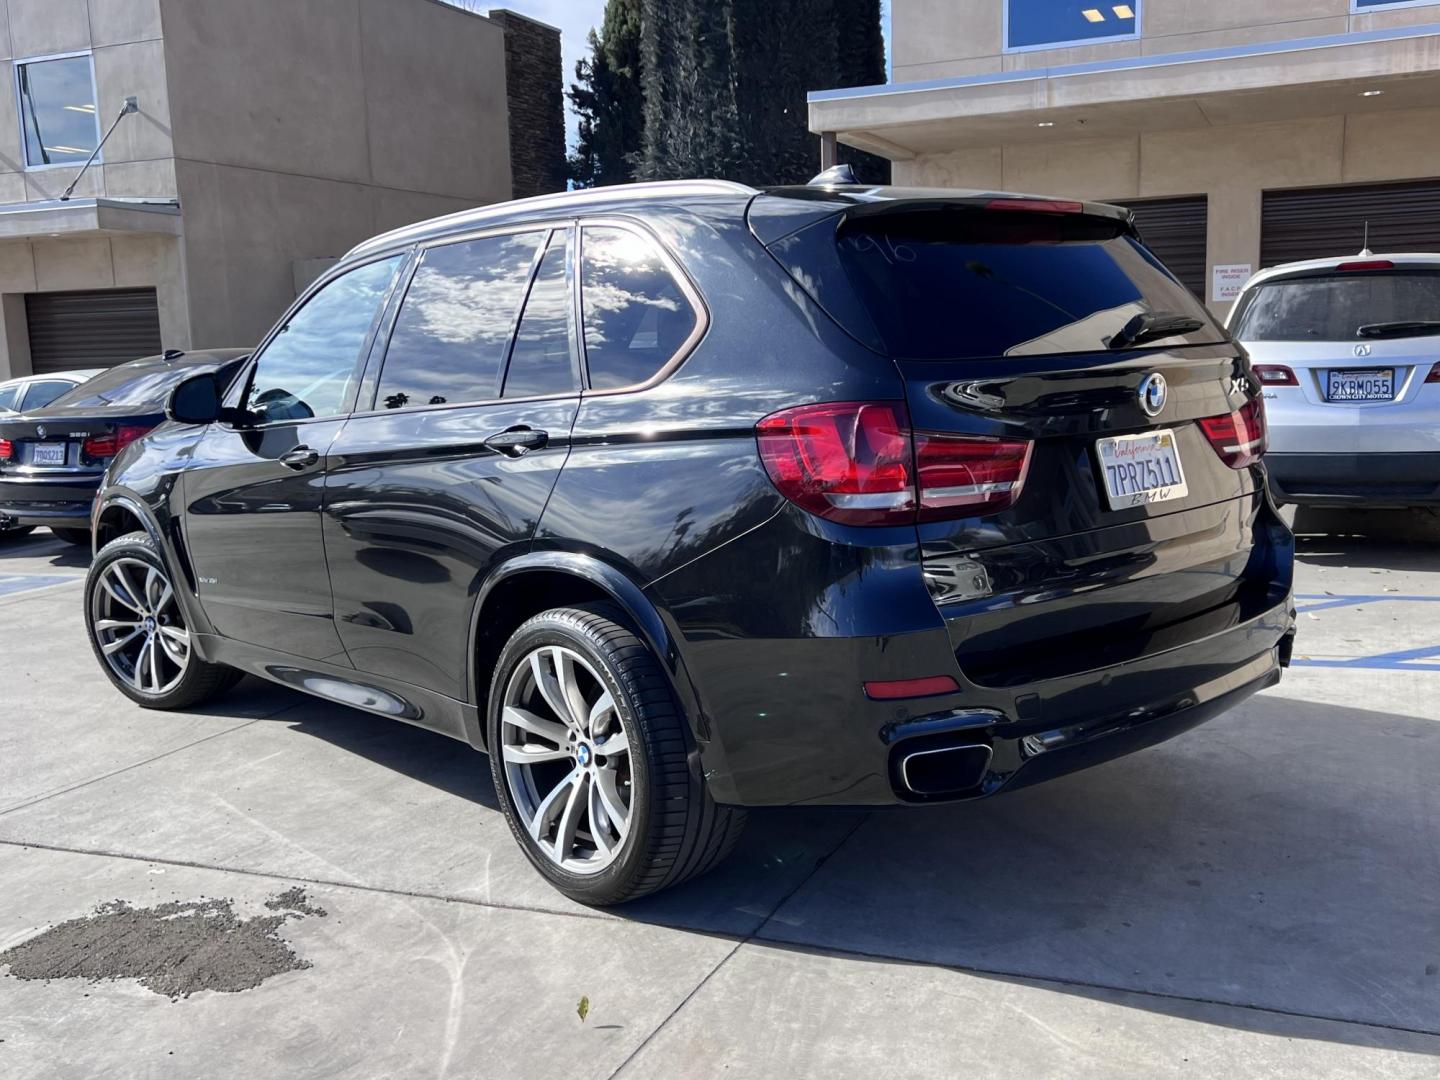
column 538, row 581
column 119, row 515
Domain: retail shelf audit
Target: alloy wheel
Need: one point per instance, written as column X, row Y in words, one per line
column 138, row 626
column 566, row 756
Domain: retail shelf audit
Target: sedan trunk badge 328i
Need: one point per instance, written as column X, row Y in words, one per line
column 683, row 498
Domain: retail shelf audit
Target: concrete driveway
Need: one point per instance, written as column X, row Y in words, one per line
column 1258, row 897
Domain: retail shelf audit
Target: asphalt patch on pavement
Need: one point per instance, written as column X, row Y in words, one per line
column 175, row 949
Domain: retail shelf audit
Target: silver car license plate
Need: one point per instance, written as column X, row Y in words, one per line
column 1377, row 384
column 1141, row 469
column 48, row 453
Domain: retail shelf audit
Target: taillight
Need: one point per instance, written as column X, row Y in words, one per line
column 846, row 461
column 7, row 450
column 1434, row 376
column 103, row 446
column 964, row 475
column 1275, row 375
column 857, row 463
column 1240, row 437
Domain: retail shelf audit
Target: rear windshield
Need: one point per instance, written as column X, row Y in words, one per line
column 1334, row 307
column 125, row 385
column 957, row 283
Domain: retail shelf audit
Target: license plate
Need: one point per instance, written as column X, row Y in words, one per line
column 48, row 453
column 1376, row 385
column 1141, row 469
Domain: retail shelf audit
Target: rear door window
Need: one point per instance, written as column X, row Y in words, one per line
column 637, row 317
column 543, row 361
column 962, row 282
column 456, row 321
column 7, row 398
column 1341, row 306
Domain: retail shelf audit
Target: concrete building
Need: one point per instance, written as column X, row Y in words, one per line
column 1243, row 134
column 270, row 137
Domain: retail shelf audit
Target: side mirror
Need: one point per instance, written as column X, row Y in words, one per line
column 196, row 400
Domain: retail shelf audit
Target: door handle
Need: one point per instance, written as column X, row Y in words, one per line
column 302, row 457
column 517, row 441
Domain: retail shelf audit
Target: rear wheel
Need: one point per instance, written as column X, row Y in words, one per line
column 78, row 537
column 591, row 759
column 138, row 629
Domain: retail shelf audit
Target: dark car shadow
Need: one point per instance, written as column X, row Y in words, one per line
column 44, row 548
column 1376, row 539
column 1272, row 871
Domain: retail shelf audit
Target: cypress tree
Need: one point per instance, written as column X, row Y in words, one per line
column 725, row 83
column 609, row 99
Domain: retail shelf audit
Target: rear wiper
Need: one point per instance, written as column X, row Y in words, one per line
column 1150, row 325
column 1399, row 328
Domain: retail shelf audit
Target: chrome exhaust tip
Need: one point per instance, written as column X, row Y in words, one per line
column 944, row 770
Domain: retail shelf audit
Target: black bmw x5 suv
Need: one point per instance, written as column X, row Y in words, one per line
column 684, row 498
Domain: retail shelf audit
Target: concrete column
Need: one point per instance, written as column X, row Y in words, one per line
column 1232, row 233
column 829, row 150
column 15, row 341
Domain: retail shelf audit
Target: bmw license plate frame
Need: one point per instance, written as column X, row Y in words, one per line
column 1138, row 470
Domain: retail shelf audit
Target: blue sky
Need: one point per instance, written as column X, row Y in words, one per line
column 575, row 18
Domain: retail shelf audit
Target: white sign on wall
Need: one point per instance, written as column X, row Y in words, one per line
column 1226, row 279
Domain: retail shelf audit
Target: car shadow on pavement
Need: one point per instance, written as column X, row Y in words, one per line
column 42, row 549
column 1274, row 866
column 1375, row 539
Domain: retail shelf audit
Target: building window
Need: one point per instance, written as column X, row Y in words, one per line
column 58, row 120
column 1358, row 6
column 1050, row 24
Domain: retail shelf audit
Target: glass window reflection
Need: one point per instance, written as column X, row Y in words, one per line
column 636, row 316
column 308, row 368
column 453, row 329
column 58, row 110
column 1032, row 24
column 541, row 362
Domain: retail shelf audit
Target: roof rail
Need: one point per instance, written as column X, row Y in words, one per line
column 559, row 200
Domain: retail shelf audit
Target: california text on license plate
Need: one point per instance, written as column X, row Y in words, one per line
column 1369, row 385
column 48, row 453
column 1141, row 469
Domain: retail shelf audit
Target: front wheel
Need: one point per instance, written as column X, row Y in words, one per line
column 138, row 630
column 590, row 755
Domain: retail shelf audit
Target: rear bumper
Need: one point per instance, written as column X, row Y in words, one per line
column 1355, row 479
column 54, row 501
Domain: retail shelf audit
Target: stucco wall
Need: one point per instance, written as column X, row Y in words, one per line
column 302, row 128
column 940, row 38
column 1234, row 165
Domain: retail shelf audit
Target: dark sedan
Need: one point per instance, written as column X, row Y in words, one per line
column 52, row 459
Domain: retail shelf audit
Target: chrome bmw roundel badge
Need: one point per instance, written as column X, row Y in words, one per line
column 40, row 431
column 1153, row 393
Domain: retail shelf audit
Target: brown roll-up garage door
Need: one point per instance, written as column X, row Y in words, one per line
column 95, row 329
column 1174, row 229
column 1320, row 223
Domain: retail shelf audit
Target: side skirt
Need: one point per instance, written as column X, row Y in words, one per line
column 345, row 686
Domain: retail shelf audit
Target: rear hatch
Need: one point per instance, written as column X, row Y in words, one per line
column 1061, row 375
column 1349, row 355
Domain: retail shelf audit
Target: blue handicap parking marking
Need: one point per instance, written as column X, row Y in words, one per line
column 10, row 584
column 1422, row 658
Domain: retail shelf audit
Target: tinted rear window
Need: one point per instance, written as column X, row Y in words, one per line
column 125, row 385
column 1333, row 307
column 958, row 283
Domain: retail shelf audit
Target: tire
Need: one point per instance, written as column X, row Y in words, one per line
column 672, row 829
column 78, row 537
column 129, row 586
column 15, row 532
